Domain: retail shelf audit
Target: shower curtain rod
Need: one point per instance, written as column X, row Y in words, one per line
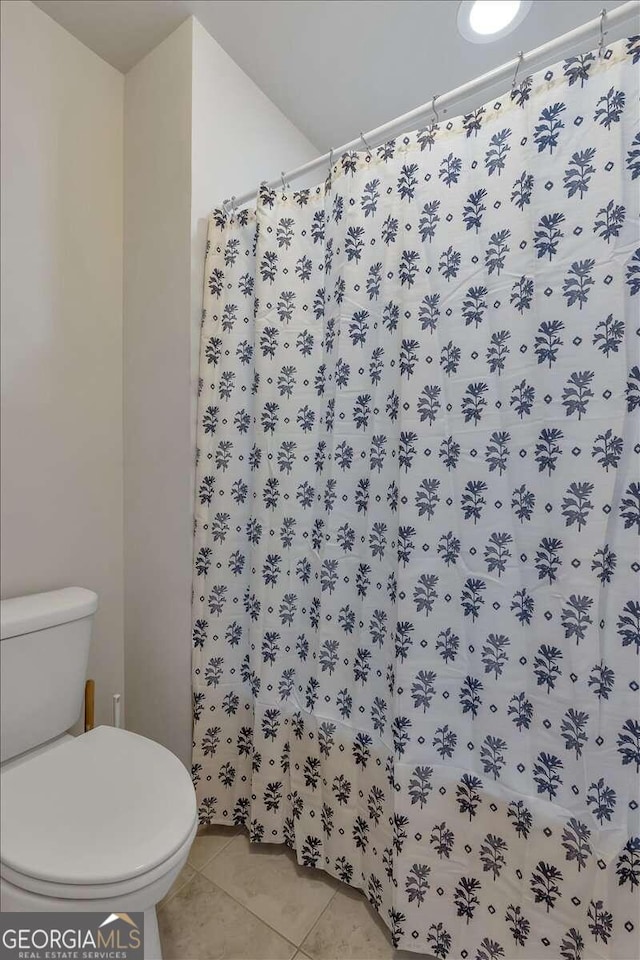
column 533, row 60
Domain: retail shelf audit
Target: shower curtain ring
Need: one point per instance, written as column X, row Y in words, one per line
column 330, row 163
column 518, row 65
column 368, row 148
column 234, row 206
column 603, row 16
column 433, row 107
column 284, row 185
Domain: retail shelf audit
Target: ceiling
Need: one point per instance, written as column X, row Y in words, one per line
column 334, row 67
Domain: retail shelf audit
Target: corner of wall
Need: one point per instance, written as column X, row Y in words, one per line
column 62, row 326
column 197, row 129
column 157, row 392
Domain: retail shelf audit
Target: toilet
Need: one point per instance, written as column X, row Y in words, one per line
column 101, row 822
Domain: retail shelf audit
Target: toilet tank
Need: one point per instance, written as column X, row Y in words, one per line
column 44, row 647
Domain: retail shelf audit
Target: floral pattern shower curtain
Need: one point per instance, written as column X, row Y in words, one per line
column 416, row 605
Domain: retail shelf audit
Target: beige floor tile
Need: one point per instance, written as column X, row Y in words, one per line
column 301, row 956
column 266, row 879
column 202, row 923
column 183, row 877
column 409, row 955
column 349, row 929
column 209, row 842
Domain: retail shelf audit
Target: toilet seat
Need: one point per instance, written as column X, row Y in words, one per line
column 55, row 891
column 100, row 815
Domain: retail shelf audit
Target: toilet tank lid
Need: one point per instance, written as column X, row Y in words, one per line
column 38, row 611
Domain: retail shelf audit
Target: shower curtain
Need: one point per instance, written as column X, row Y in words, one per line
column 416, row 606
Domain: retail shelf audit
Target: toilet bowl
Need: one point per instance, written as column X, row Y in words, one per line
column 102, row 822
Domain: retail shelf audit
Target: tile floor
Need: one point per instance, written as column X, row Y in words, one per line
column 239, row 901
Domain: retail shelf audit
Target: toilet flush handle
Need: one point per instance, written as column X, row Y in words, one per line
column 116, row 710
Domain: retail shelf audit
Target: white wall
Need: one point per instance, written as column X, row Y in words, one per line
column 156, row 390
column 196, row 130
column 61, row 457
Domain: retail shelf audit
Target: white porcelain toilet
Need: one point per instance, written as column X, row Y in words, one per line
column 99, row 822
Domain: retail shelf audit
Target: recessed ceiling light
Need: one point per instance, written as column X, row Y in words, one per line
column 482, row 21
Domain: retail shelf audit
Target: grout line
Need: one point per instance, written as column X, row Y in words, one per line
column 168, row 897
column 213, row 856
column 294, row 946
column 175, row 889
column 318, row 918
column 266, row 922
column 297, row 948
column 249, row 910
